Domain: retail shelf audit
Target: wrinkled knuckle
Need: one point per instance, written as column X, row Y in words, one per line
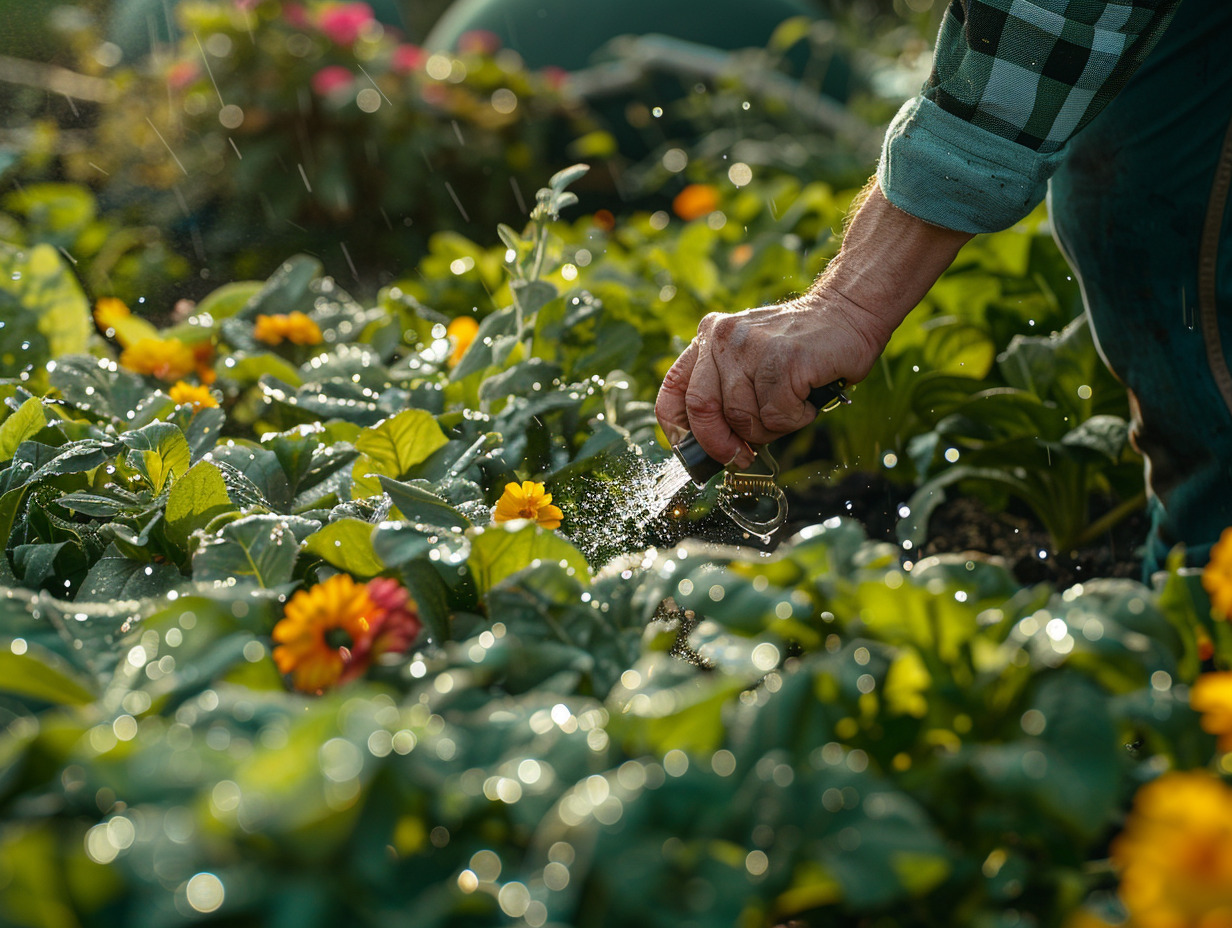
column 778, row 420
column 703, row 408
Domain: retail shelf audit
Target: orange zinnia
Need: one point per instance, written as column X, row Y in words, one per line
column 185, row 394
column 331, row 633
column 109, row 312
column 295, row 327
column 164, row 358
column 695, row 201
column 527, row 500
column 462, row 331
column 1212, row 696
column 1217, row 575
column 1175, row 854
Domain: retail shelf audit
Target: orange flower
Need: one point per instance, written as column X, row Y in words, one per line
column 203, row 357
column 527, row 500
column 165, row 358
column 1212, row 696
column 462, row 330
column 695, row 201
column 1217, row 576
column 185, row 394
column 331, row 633
column 604, row 219
column 1175, row 854
column 293, row 327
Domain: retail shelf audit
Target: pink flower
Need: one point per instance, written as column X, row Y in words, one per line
column 344, row 23
column 407, row 58
column 331, row 79
column 478, row 42
column 181, row 74
column 400, row 623
column 246, row 4
column 296, row 15
column 555, row 77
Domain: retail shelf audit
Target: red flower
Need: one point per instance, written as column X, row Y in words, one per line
column 407, row 58
column 346, row 22
column 478, row 42
column 296, row 15
column 330, row 79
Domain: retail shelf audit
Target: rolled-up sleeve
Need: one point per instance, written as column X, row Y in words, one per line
column 1012, row 82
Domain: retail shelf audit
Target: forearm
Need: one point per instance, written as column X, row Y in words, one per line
column 888, row 261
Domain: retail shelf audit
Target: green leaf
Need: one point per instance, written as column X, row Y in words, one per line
column 418, row 505
column 160, row 453
column 25, row 423
column 347, row 545
column 195, row 499
column 394, row 447
column 115, row 578
column 259, row 548
column 44, row 288
column 40, row 677
column 499, row 552
column 566, row 176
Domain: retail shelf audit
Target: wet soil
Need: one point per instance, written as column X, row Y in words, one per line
column 964, row 525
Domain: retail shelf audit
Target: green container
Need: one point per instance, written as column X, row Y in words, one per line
column 566, row 33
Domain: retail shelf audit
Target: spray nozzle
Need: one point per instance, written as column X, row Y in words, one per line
column 752, row 497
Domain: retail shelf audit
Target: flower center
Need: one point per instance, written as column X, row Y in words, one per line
column 339, row 638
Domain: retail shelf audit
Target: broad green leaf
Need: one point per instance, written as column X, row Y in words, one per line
column 394, row 447
column 501, row 551
column 45, row 288
column 116, row 578
column 195, row 499
column 261, row 549
column 418, row 505
column 347, row 545
column 160, row 453
column 40, row 676
column 25, row 423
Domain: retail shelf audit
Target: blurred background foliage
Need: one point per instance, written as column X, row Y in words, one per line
column 198, row 142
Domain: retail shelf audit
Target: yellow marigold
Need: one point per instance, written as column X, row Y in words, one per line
column 295, row 327
column 527, row 500
column 330, row 634
column 1175, row 854
column 165, row 358
column 186, row 394
column 462, row 331
column 1217, row 575
column 1212, row 696
column 695, row 201
column 109, row 312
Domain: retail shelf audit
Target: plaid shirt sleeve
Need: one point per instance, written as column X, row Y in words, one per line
column 1012, row 81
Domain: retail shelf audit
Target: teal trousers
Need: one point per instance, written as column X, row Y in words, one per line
column 1141, row 209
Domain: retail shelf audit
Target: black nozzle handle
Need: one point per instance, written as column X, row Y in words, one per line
column 702, row 467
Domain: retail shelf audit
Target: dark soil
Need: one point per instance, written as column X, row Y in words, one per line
column 964, row 524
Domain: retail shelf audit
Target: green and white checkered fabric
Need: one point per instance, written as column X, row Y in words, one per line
column 1034, row 72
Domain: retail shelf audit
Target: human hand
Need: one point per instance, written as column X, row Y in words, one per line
column 746, row 377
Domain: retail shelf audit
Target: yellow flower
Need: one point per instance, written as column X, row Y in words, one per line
column 527, row 500
column 185, row 394
column 1217, row 575
column 462, row 330
column 331, row 633
column 1175, row 854
column 293, row 327
column 1212, row 696
column 109, row 312
column 165, row 358
column 116, row 320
